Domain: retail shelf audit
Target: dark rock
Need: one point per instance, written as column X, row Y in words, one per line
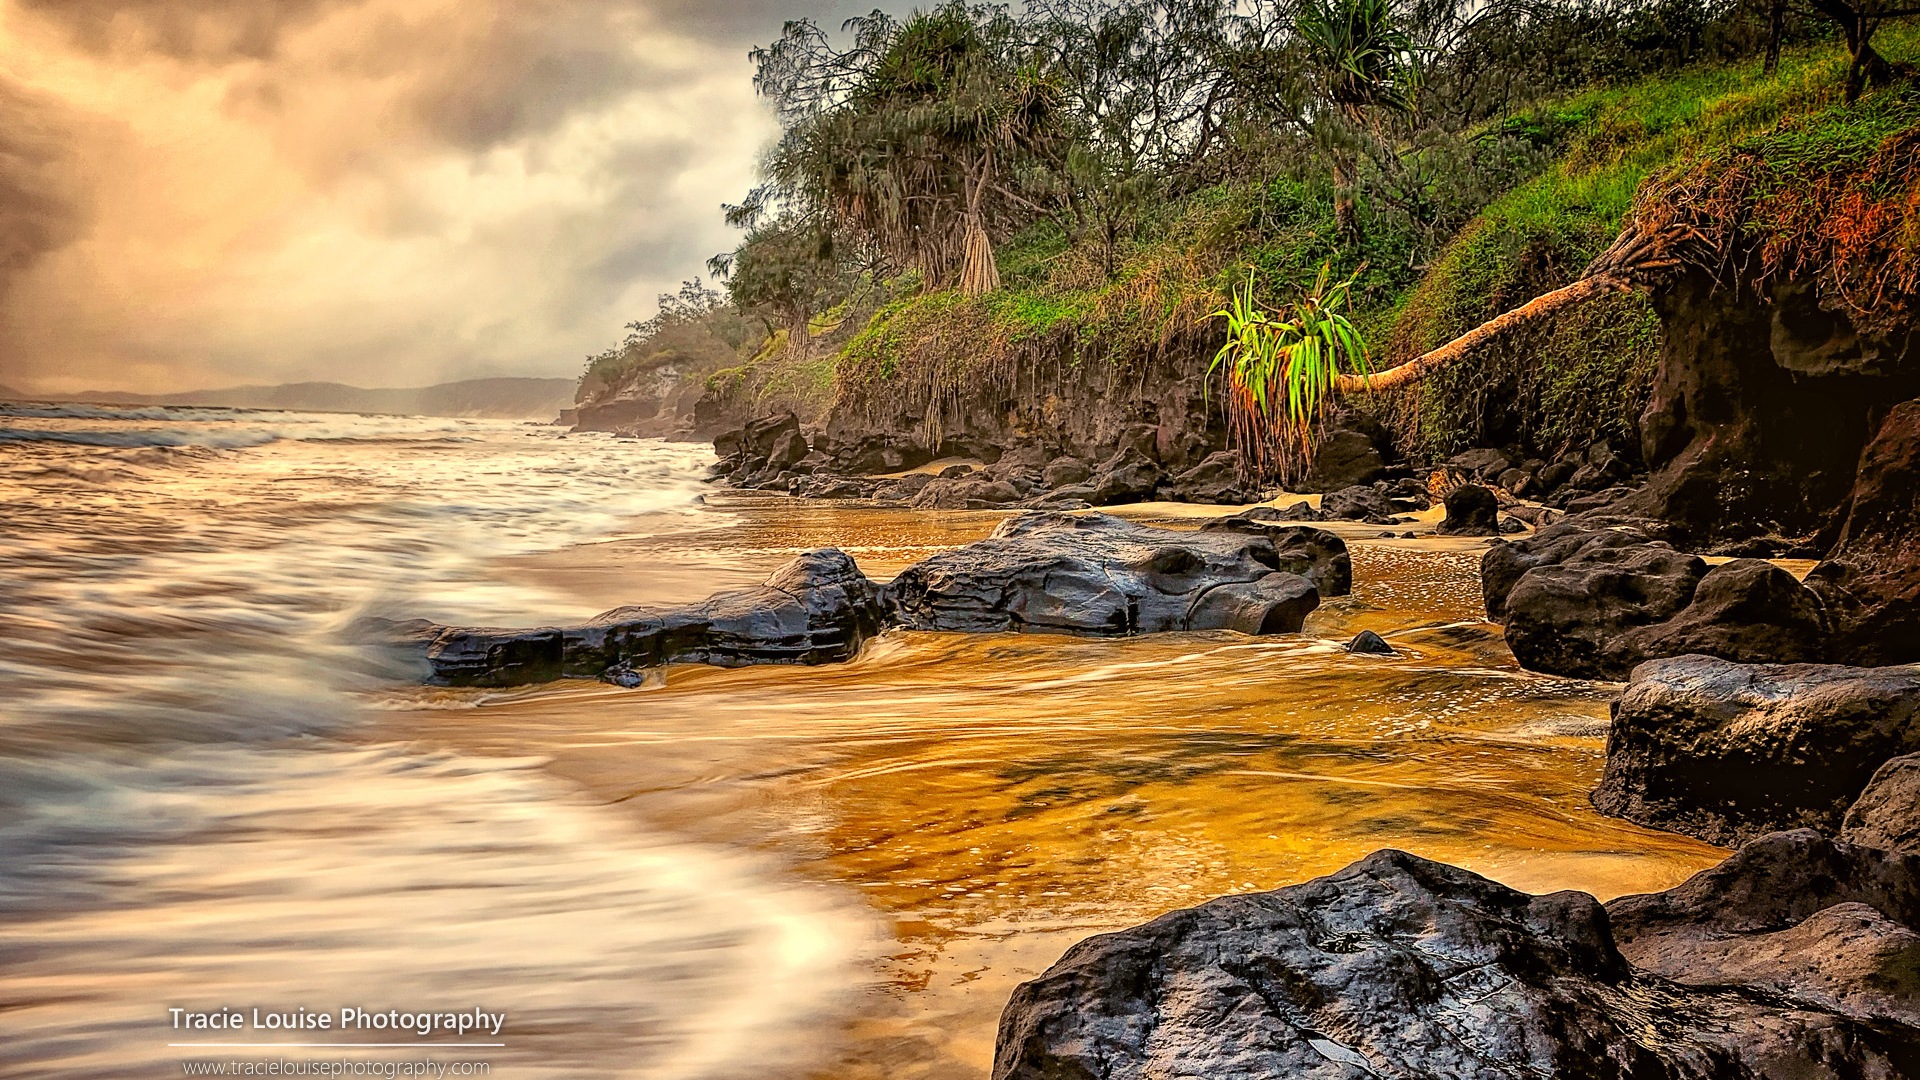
column 816, row 609
column 730, row 443
column 1358, row 504
column 1368, row 643
column 1066, row 470
column 1315, row 554
column 1580, row 504
column 1127, row 476
column 1745, row 610
column 815, row 461
column 1353, row 452
column 1812, row 923
column 1102, row 576
column 946, row 493
column 1887, row 813
column 1406, row 492
column 788, row 449
column 954, row 472
column 1510, row 525
column 1481, row 464
column 1472, row 510
column 1142, row 438
column 879, row 454
column 1401, row 967
column 1300, row 511
column 902, row 489
column 761, row 436
column 1557, row 474
column 1215, row 480
column 1871, row 580
column 1726, row 751
column 1571, row 618
column 1537, row 516
column 1517, row 481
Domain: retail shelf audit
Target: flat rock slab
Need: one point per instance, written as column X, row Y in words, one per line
column 1053, row 572
column 1401, row 967
column 1099, row 575
column 817, row 609
column 1726, row 751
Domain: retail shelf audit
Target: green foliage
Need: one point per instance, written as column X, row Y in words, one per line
column 1281, row 367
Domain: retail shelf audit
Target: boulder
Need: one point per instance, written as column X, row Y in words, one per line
column 1887, row 813
column 1572, row 618
column 1300, row 511
column 760, row 436
column 1101, row 576
column 902, row 489
column 1811, row 923
column 1358, row 504
column 1726, row 751
column 1215, row 480
column 1127, row 476
column 1353, row 452
column 1592, row 602
column 1063, row 471
column 789, row 448
column 1401, row 967
column 1315, row 554
column 1871, row 579
column 961, row 493
column 816, row 609
column 1482, row 464
column 1368, row 643
column 1472, row 510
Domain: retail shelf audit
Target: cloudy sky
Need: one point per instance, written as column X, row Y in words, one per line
column 199, row 193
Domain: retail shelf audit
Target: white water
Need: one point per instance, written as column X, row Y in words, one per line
column 188, row 817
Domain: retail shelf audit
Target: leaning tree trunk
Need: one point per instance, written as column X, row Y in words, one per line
column 979, row 273
column 1637, row 253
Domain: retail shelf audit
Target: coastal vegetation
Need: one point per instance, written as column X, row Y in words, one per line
column 968, row 196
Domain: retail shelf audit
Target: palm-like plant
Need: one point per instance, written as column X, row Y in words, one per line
column 1283, row 368
column 1362, row 63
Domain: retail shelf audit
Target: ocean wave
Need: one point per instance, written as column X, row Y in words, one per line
column 226, row 440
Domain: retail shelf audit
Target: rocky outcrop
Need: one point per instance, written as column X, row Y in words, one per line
column 1761, row 407
column 1397, row 966
column 1594, row 602
column 1727, row 751
column 1871, row 579
column 1215, row 480
column 817, row 609
column 1100, row 575
column 1354, row 451
column 1048, row 572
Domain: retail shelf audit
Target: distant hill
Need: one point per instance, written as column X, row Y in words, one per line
column 502, row 399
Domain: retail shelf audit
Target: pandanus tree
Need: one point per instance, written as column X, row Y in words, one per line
column 1284, row 369
column 1361, row 65
column 910, row 139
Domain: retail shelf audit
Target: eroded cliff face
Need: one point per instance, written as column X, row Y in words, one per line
column 1054, row 395
column 1761, row 408
column 657, row 400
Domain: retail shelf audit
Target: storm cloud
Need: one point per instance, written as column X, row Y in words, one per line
column 383, row 192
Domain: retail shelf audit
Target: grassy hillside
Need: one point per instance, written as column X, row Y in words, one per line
column 1584, row 158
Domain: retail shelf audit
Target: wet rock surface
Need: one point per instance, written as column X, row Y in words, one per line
column 1472, row 510
column 1726, row 751
column 1047, row 572
column 1100, row 575
column 817, row 609
column 1871, row 580
column 1398, row 966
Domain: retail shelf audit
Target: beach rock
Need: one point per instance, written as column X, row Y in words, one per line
column 816, row 609
column 1747, row 610
column 902, row 489
column 1871, row 579
column 1813, row 923
column 1726, row 751
column 1364, row 504
column 1401, row 967
column 1127, row 476
column 1063, row 471
column 1572, row 618
column 1368, row 643
column 1350, row 454
column 1300, row 511
column 1482, row 464
column 1472, row 510
column 789, row 448
column 962, row 493
column 1315, row 554
column 760, row 437
column 1887, row 813
column 1101, row 576
column 1215, row 480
